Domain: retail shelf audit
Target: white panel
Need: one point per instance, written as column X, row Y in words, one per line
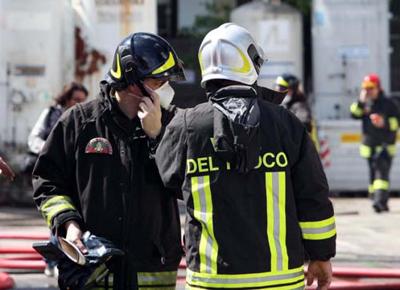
column 350, row 40
column 278, row 30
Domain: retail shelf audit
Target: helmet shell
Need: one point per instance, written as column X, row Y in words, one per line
column 229, row 52
column 144, row 55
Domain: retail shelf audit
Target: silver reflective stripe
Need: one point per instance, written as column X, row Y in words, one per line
column 203, row 213
column 276, row 219
column 275, row 186
column 203, row 206
column 321, row 230
column 237, row 280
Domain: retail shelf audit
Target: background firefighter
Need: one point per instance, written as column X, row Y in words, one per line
column 379, row 117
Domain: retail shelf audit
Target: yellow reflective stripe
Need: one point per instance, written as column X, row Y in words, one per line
column 158, row 288
column 245, row 68
column 276, row 219
column 210, row 225
column 282, row 219
column 55, row 205
column 170, row 62
column 54, row 201
column 380, row 184
column 251, row 280
column 162, row 279
column 297, row 286
column 201, row 62
column 370, row 188
column 281, row 82
column 318, row 230
column 391, row 150
column 356, row 110
column 393, row 123
column 270, row 220
column 203, row 212
column 365, row 151
column 318, row 224
column 56, row 210
column 117, row 74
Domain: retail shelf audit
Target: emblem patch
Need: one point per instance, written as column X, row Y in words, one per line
column 99, row 146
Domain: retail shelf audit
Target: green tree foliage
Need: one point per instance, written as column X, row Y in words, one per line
column 303, row 5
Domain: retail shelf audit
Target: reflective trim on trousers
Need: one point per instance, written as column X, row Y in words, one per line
column 381, row 184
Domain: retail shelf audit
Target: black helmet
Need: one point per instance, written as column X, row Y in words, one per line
column 144, row 55
column 287, row 81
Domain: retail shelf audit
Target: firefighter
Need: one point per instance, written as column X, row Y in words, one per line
column 379, row 118
column 96, row 171
column 255, row 191
column 296, row 102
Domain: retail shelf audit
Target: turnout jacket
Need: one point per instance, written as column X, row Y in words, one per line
column 373, row 138
column 249, row 230
column 97, row 168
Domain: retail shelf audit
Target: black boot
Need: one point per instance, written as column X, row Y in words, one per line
column 385, row 199
column 377, row 201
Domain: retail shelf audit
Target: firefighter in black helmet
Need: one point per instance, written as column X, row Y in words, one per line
column 296, row 102
column 96, row 171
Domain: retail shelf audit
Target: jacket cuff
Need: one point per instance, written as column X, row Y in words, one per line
column 64, row 217
column 322, row 250
column 154, row 142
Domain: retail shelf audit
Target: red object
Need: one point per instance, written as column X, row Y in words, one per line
column 360, row 285
column 17, row 250
column 20, row 236
column 6, row 282
column 350, row 272
column 24, row 257
column 371, row 81
column 22, row 265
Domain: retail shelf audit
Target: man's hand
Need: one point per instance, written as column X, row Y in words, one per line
column 74, row 234
column 322, row 271
column 377, row 120
column 6, row 170
column 150, row 115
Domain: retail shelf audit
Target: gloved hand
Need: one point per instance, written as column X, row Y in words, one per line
column 73, row 276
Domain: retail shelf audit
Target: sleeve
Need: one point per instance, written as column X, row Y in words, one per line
column 171, row 152
column 35, row 139
column 314, row 209
column 392, row 118
column 357, row 110
column 166, row 117
column 53, row 179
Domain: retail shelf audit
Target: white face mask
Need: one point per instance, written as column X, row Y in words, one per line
column 165, row 93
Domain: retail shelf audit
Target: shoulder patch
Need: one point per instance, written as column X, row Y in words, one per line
column 99, row 145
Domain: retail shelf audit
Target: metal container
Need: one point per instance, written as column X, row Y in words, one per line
column 350, row 39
